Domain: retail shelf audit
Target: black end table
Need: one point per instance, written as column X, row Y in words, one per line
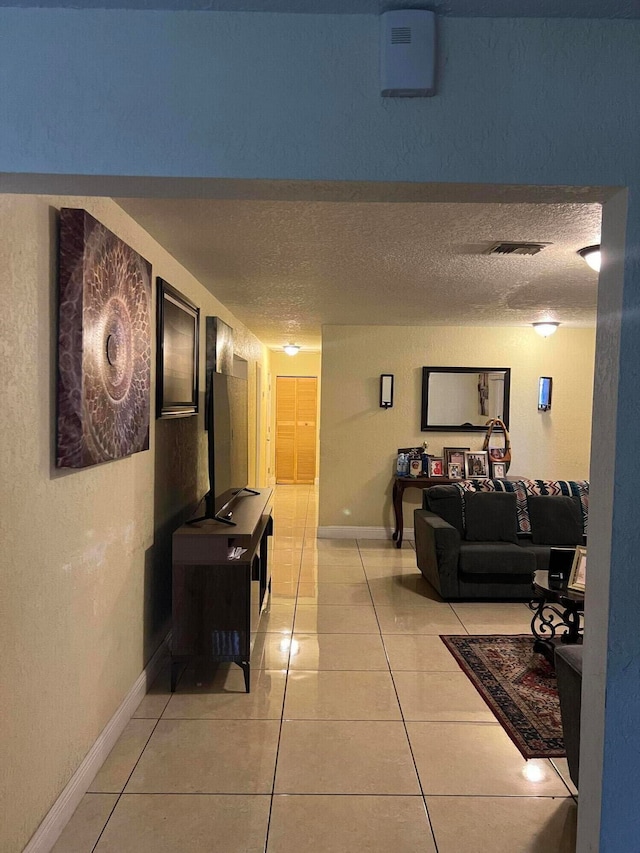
column 558, row 615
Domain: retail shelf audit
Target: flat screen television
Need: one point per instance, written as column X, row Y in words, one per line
column 226, row 421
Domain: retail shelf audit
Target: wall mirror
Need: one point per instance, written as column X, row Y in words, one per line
column 462, row 399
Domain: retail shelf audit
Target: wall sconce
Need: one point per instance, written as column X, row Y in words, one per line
column 386, row 390
column 544, row 393
column 546, row 328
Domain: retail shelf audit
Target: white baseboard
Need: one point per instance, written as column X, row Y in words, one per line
column 60, row 813
column 339, row 532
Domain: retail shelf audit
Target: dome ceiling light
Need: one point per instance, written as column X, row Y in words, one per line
column 545, row 329
column 591, row 255
column 292, row 349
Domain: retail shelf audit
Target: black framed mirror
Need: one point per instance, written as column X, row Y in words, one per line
column 462, row 399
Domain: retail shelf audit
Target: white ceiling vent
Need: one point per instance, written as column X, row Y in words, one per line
column 504, row 248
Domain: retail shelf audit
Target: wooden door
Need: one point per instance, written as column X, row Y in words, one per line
column 296, row 413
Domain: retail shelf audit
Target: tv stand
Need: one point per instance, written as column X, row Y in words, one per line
column 224, row 518
column 246, row 491
column 218, row 599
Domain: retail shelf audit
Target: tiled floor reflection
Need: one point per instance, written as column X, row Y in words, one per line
column 360, row 732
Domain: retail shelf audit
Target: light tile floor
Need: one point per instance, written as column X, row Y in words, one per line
column 360, row 732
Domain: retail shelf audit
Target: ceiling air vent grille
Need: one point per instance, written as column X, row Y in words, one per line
column 401, row 35
column 515, row 248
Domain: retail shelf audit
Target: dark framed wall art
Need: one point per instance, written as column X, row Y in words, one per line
column 177, row 354
column 104, row 345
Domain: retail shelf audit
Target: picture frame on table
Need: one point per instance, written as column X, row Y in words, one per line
column 498, row 470
column 436, row 466
column 455, row 470
column 476, row 464
column 497, row 454
column 454, row 455
column 578, row 576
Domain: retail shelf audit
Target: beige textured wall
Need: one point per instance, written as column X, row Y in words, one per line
column 86, row 573
column 302, row 364
column 360, row 440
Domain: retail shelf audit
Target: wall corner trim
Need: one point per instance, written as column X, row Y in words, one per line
column 60, row 813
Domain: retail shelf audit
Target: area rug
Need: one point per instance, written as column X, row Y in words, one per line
column 518, row 685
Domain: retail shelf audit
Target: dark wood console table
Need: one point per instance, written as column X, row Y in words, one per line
column 402, row 483
column 218, row 601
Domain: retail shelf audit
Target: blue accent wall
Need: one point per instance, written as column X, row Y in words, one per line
column 291, row 97
column 297, row 96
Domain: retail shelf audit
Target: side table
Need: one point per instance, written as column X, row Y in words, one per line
column 402, row 483
column 557, row 615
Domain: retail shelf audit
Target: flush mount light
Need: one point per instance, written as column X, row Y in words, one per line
column 292, row 349
column 591, row 255
column 546, row 328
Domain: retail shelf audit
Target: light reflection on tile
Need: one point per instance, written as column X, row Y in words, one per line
column 338, row 652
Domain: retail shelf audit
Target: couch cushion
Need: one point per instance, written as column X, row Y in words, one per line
column 490, row 517
column 555, row 519
column 446, row 502
column 496, row 558
column 542, row 553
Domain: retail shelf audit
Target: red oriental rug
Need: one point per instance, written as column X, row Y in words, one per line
column 518, row 685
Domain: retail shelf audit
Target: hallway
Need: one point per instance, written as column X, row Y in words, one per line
column 360, row 733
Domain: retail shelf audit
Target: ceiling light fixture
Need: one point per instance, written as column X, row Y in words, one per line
column 591, row 255
column 546, row 328
column 292, row 349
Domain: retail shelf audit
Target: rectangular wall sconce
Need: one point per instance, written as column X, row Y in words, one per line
column 544, row 393
column 386, row 390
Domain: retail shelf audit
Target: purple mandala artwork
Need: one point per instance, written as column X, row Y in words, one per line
column 104, row 345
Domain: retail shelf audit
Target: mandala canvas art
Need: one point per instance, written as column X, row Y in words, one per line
column 104, row 345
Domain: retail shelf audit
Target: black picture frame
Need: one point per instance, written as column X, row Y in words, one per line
column 426, row 426
column 177, row 362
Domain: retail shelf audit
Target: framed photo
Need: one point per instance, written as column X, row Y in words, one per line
column 454, row 455
column 436, row 467
column 496, row 454
column 415, row 467
column 177, row 367
column 498, row 471
column 455, row 470
column 578, row 575
column 476, row 464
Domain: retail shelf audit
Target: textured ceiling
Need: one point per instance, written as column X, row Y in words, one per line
column 459, row 8
column 285, row 268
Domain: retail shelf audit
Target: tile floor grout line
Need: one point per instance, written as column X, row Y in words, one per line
column 404, row 722
column 121, row 792
column 284, row 699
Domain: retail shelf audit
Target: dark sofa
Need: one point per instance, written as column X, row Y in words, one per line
column 471, row 544
column 568, row 661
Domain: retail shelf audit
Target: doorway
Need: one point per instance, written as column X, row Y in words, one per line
column 296, row 414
